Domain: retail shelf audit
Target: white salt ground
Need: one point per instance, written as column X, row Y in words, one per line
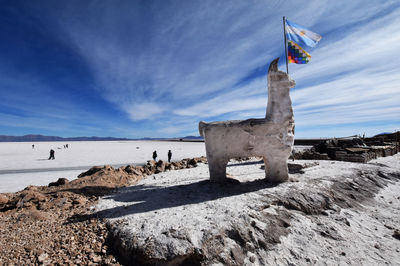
column 20, row 165
column 165, row 202
column 367, row 241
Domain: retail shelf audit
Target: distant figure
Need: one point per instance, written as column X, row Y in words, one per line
column 169, row 155
column 51, row 154
column 154, row 155
column 33, row 146
column 66, row 145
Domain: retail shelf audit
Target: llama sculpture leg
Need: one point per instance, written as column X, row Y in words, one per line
column 270, row 137
column 217, row 168
column 276, row 169
column 216, row 160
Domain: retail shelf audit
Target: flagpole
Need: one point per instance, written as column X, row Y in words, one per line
column 286, row 52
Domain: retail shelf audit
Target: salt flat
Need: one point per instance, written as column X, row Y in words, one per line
column 335, row 213
column 21, row 165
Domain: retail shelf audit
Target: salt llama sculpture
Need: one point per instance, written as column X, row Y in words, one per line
column 271, row 137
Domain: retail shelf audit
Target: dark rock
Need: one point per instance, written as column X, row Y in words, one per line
column 192, row 162
column 160, row 167
column 91, row 171
column 306, row 201
column 148, row 170
column 59, row 182
column 151, row 163
column 396, row 234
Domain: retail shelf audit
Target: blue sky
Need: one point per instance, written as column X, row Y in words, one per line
column 156, row 68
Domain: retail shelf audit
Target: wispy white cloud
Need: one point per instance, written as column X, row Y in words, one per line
column 247, row 97
column 140, row 111
column 357, row 79
column 183, row 53
column 184, row 60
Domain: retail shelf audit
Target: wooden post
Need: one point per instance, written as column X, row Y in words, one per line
column 286, row 51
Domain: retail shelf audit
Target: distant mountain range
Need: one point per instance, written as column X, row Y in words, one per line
column 34, row 138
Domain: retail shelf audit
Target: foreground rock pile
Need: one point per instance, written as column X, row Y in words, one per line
column 30, row 236
column 42, row 225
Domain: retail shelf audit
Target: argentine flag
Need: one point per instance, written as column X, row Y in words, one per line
column 301, row 35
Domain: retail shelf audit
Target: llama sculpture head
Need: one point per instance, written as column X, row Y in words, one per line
column 279, row 106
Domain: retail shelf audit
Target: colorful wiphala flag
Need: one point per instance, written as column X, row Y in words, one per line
column 296, row 54
column 299, row 37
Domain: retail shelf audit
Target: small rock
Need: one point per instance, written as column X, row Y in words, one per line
column 192, row 162
column 43, row 257
column 3, row 199
column 79, row 201
column 377, row 246
column 36, row 215
column 237, row 254
column 95, row 258
column 325, row 213
column 396, row 234
column 59, row 182
column 347, row 222
column 388, row 226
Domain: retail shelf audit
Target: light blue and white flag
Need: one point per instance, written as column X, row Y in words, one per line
column 301, row 35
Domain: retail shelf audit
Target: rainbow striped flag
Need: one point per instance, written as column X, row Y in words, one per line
column 296, row 54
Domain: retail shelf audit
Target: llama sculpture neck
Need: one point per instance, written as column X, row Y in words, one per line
column 279, row 108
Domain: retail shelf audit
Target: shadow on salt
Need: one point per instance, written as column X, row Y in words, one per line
column 143, row 198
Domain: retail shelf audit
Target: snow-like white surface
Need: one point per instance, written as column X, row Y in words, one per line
column 20, row 165
column 151, row 191
column 19, row 181
column 190, row 205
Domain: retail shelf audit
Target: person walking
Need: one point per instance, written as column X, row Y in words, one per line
column 155, row 155
column 51, row 154
column 169, row 155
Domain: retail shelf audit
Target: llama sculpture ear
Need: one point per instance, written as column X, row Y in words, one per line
column 273, row 67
